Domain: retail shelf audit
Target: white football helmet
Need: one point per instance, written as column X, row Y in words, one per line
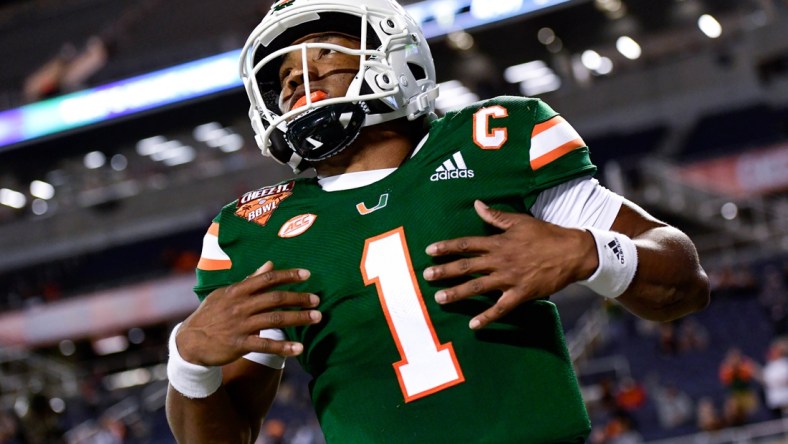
column 396, row 76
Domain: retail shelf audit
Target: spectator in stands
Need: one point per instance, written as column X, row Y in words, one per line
column 775, row 378
column 10, row 432
column 731, row 281
column 668, row 342
column 620, row 323
column 739, row 374
column 707, row 416
column 110, row 431
column 692, row 335
column 774, row 298
column 45, row 81
column 674, row 406
column 273, row 432
column 308, row 433
column 630, row 394
column 620, row 429
column 41, row 424
column 607, row 397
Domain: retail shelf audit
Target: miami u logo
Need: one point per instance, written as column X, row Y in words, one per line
column 382, row 202
column 282, row 4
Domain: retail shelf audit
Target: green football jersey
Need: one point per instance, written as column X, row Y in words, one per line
column 390, row 365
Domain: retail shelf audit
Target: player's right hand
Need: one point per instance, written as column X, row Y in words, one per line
column 227, row 324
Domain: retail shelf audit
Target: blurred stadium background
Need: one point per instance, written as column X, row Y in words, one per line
column 123, row 130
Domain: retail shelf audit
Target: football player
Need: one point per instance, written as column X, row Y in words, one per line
column 411, row 276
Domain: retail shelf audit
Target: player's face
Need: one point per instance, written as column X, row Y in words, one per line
column 330, row 72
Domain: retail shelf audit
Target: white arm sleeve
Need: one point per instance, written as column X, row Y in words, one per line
column 267, row 359
column 580, row 202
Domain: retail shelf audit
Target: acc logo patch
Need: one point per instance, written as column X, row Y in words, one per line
column 258, row 206
column 297, row 226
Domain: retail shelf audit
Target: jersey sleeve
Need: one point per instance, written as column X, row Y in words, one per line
column 215, row 265
column 556, row 153
column 215, row 270
column 580, row 202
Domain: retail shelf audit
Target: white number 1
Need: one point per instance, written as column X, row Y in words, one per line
column 427, row 366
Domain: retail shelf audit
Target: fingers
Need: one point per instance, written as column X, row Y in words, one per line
column 461, row 245
column 256, row 344
column 497, row 218
column 281, row 319
column 473, row 287
column 505, row 304
column 460, row 267
column 479, row 244
column 279, row 299
column 266, row 277
column 266, row 267
column 510, row 298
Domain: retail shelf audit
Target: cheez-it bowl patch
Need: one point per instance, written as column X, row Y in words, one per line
column 258, row 206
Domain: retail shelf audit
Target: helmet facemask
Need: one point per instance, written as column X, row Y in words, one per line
column 395, row 77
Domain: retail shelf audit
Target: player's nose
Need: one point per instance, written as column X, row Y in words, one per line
column 297, row 76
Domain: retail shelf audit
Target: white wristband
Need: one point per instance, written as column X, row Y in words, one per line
column 618, row 261
column 191, row 380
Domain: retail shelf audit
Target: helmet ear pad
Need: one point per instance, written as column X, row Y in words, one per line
column 325, row 131
column 372, row 82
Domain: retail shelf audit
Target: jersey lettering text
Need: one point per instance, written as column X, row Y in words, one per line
column 483, row 136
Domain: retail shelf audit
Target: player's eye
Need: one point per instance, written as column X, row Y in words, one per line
column 284, row 74
column 327, row 51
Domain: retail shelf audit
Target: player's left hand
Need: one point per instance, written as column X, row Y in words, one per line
column 530, row 259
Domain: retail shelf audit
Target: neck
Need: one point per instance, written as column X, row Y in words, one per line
column 381, row 146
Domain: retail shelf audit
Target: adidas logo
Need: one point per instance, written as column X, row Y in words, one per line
column 452, row 170
column 615, row 247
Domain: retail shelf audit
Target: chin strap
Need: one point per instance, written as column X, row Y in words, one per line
column 416, row 108
column 421, row 103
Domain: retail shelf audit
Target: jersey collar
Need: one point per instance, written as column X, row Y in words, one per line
column 349, row 181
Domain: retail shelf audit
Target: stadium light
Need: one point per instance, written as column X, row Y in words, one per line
column 454, row 95
column 729, row 211
column 628, row 47
column 533, row 77
column 591, row 59
column 119, row 162
column 605, row 66
column 710, row 26
column 42, row 190
column 485, row 9
column 94, row 160
column 11, row 198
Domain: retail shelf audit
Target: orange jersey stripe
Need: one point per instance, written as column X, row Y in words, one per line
column 546, row 125
column 213, row 257
column 214, row 264
column 552, row 139
column 541, row 161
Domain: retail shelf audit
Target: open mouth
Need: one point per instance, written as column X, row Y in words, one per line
column 316, row 96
